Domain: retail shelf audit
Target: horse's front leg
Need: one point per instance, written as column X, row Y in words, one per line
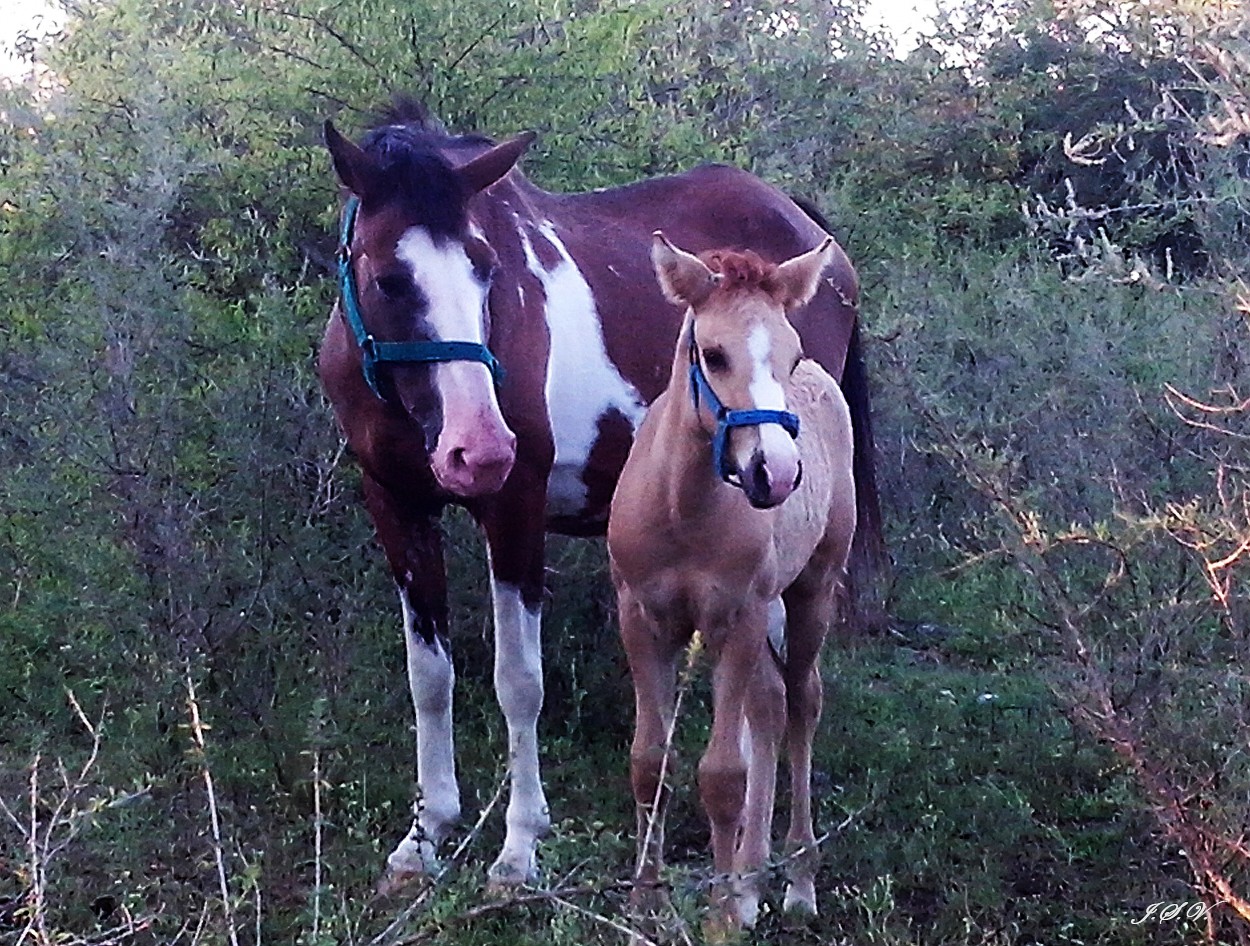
column 412, row 539
column 737, row 651
column 652, row 654
column 514, row 524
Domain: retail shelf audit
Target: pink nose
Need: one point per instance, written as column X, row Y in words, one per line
column 476, row 464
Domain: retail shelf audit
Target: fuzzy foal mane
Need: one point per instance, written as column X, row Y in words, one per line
column 741, row 269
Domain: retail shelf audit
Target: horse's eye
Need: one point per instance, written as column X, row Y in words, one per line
column 394, row 286
column 715, row 359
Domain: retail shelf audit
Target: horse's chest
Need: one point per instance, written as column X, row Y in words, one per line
column 593, row 409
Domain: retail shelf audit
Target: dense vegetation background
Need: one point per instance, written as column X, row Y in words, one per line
column 203, row 715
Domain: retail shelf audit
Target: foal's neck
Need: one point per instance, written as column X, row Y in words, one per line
column 682, row 447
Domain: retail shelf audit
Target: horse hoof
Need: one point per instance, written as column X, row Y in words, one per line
column 398, row 883
column 505, row 878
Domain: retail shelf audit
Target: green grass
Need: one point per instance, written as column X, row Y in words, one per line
column 963, row 806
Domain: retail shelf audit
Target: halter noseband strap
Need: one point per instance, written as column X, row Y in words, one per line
column 726, row 420
column 373, row 352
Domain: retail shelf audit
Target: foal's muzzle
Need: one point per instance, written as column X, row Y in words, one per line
column 762, row 490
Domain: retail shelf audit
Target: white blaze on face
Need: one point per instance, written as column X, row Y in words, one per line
column 475, row 448
column 781, row 454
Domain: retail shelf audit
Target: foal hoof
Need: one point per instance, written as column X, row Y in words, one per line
column 649, row 900
column 800, row 901
column 720, row 929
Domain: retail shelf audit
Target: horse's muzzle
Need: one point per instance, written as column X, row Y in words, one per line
column 763, row 491
column 474, row 466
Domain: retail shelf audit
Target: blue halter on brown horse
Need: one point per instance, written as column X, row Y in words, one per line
column 495, row 347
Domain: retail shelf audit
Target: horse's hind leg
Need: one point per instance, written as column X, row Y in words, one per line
column 652, row 658
column 412, row 540
column 809, row 606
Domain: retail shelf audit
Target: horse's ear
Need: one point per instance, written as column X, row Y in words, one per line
column 799, row 278
column 684, row 278
column 354, row 168
column 486, row 169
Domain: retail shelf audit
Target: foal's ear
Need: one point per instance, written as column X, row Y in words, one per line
column 486, row 169
column 354, row 168
column 684, row 278
column 799, row 278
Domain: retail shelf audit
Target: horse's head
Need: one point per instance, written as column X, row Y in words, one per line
column 420, row 273
column 742, row 353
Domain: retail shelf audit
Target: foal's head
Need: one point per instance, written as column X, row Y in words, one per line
column 741, row 342
column 422, row 272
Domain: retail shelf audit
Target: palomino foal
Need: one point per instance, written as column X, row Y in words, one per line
column 734, row 517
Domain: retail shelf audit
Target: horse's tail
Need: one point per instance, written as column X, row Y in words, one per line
column 868, row 555
column 869, row 548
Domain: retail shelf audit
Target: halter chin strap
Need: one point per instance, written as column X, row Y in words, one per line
column 726, row 420
column 373, row 352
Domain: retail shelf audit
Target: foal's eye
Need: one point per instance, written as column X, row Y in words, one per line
column 394, row 286
column 715, row 359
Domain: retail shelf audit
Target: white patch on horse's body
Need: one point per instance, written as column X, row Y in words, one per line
column 582, row 383
column 431, row 678
column 519, row 684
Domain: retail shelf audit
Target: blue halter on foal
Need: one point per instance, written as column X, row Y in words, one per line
column 726, row 419
column 373, row 352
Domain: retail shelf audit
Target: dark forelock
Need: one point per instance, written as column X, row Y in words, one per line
column 415, row 174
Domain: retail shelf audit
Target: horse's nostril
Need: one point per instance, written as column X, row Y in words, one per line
column 798, row 477
column 759, row 477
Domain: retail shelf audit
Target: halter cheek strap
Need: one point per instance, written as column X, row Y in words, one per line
column 726, row 420
column 373, row 352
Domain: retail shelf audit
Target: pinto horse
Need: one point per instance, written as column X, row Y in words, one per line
column 495, row 346
column 746, row 567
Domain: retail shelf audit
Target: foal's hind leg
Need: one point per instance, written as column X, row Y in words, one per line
column 809, row 607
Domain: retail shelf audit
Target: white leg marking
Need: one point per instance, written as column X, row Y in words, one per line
column 519, row 684
column 431, row 677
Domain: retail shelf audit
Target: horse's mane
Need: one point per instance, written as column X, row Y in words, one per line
column 741, row 269
column 407, row 140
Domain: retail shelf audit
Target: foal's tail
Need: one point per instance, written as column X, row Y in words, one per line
column 869, row 561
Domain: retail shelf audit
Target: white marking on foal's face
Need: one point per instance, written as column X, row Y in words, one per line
column 768, row 394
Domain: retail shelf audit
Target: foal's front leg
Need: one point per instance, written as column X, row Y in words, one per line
column 736, row 652
column 652, row 656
